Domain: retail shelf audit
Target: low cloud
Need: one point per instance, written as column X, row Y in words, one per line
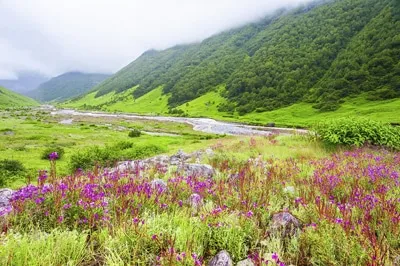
column 55, row 36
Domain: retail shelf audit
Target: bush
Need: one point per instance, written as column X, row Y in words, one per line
column 134, row 133
column 109, row 155
column 46, row 153
column 357, row 132
column 10, row 169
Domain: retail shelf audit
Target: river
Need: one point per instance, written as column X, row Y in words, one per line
column 207, row 125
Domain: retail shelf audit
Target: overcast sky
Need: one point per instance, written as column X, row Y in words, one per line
column 56, row 36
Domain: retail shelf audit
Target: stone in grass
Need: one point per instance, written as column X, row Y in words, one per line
column 5, row 196
column 246, row 262
column 221, row 259
column 195, row 201
column 179, row 158
column 285, row 224
column 159, row 184
column 194, row 169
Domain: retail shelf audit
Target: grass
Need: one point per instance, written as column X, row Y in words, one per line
column 11, row 99
column 153, row 102
column 30, row 137
column 205, row 105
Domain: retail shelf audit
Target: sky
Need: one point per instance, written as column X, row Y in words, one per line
column 56, row 36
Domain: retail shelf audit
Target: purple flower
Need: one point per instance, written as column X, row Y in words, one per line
column 154, row 237
column 67, row 206
column 39, row 200
column 53, row 156
column 249, row 214
column 338, row 220
column 275, row 257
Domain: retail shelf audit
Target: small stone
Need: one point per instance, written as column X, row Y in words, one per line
column 246, row 262
column 159, row 184
column 285, row 224
column 209, row 152
column 5, row 196
column 195, row 201
column 289, row 190
column 221, row 259
column 271, row 124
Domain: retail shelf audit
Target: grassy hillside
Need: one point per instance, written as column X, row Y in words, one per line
column 13, row 99
column 153, row 102
column 66, row 86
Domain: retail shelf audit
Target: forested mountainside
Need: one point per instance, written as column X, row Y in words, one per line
column 319, row 53
column 9, row 98
column 66, row 86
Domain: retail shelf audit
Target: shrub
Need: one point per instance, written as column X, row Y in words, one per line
column 46, row 153
column 134, row 133
column 357, row 132
column 10, row 169
column 109, row 155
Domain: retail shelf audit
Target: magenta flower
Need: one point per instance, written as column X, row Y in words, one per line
column 53, row 156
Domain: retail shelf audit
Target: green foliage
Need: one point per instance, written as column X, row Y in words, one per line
column 329, row 245
column 39, row 248
column 47, row 151
column 135, row 133
column 109, row 155
column 357, row 132
column 10, row 169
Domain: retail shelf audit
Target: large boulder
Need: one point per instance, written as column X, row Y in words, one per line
column 284, row 224
column 221, row 259
column 160, row 159
column 195, row 169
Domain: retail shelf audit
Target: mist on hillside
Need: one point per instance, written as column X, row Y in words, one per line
column 52, row 37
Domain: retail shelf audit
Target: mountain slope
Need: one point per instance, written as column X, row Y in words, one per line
column 319, row 54
column 12, row 99
column 66, row 86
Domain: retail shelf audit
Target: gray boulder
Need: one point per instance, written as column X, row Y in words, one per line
column 195, row 169
column 246, row 262
column 221, row 259
column 179, row 158
column 5, row 196
column 284, row 224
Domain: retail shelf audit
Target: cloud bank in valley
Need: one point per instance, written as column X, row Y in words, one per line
column 55, row 36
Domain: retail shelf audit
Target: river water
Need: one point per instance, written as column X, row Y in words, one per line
column 199, row 124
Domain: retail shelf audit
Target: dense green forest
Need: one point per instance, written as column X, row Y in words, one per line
column 66, row 86
column 318, row 53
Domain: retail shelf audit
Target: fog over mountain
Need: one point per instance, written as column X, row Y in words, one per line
column 53, row 36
